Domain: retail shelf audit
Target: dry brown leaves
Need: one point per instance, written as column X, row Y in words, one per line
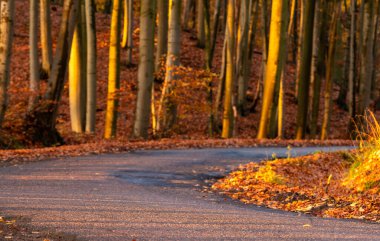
column 312, row 184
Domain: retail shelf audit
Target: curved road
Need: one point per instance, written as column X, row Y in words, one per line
column 156, row 195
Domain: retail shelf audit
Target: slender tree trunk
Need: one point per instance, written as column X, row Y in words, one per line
column 145, row 69
column 366, row 57
column 299, row 44
column 7, row 8
column 40, row 123
column 273, row 71
column 305, row 66
column 76, row 70
column 46, row 41
column 130, row 33
column 91, row 66
column 113, row 73
column 168, row 108
column 329, row 71
column 34, row 84
column 265, row 34
column 186, row 15
column 215, row 29
column 243, row 54
column 229, row 82
column 318, row 62
column 352, row 66
column 162, row 38
column 124, row 40
column 201, row 37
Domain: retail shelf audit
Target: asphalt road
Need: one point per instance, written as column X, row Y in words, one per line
column 156, row 195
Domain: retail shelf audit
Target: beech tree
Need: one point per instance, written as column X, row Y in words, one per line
column 145, row 69
column 34, row 66
column 46, row 40
column 6, row 29
column 40, row 122
column 273, row 69
column 167, row 113
column 113, row 72
column 230, row 75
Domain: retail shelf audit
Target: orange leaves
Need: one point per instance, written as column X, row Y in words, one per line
column 313, row 185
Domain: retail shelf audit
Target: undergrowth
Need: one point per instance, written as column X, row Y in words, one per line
column 364, row 172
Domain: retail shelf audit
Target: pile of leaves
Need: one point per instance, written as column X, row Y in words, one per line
column 312, row 184
column 19, row 229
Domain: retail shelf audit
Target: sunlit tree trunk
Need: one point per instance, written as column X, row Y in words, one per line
column 77, row 68
column 6, row 37
column 229, row 81
column 162, row 32
column 200, row 24
column 46, row 41
column 113, row 73
column 91, row 66
column 299, row 43
column 40, row 123
column 305, row 67
column 145, row 69
column 34, row 67
column 168, row 109
column 273, row 70
column 329, row 71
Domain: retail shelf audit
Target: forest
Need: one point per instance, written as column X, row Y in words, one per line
column 79, row 71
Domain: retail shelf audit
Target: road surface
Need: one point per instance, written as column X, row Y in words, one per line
column 156, row 195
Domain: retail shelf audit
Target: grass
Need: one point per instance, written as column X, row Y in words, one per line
column 364, row 173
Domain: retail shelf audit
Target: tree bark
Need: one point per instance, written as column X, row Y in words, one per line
column 162, row 32
column 200, row 24
column 91, row 66
column 305, row 66
column 145, row 69
column 229, row 82
column 34, row 67
column 168, row 109
column 113, row 73
column 273, row 70
column 7, row 8
column 46, row 41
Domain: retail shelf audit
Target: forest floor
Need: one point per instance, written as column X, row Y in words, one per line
column 315, row 184
column 193, row 110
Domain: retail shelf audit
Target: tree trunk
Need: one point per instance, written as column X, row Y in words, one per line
column 189, row 4
column 366, row 56
column 46, row 41
column 40, row 122
column 76, row 74
column 215, row 31
column 7, row 8
column 273, row 70
column 318, row 63
column 130, row 33
column 305, row 66
column 113, row 73
column 91, row 66
column 34, row 67
column 168, row 108
column 162, row 32
column 200, row 24
column 229, row 82
column 145, row 69
column 352, row 67
column 329, row 71
column 242, row 54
